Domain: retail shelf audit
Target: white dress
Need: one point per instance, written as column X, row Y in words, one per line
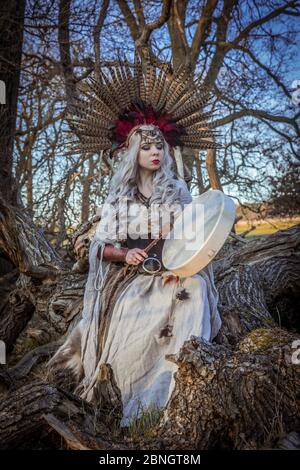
column 133, row 346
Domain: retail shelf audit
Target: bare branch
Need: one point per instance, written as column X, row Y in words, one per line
column 139, row 13
column 97, row 32
column 221, row 35
column 130, row 19
column 64, row 48
column 259, row 114
column 203, row 29
column 230, row 45
column 147, row 30
column 264, row 19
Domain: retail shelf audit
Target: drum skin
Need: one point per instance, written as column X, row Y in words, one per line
column 205, row 237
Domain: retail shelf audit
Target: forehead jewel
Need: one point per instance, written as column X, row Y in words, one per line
column 151, row 134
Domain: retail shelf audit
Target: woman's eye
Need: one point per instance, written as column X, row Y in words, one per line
column 159, row 147
column 145, row 148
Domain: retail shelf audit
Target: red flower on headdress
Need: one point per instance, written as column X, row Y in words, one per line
column 138, row 116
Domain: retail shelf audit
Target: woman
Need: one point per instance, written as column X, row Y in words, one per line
column 133, row 317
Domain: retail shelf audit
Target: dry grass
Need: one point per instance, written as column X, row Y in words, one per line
column 265, row 227
column 145, row 420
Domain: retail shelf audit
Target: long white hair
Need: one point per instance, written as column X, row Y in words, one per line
column 124, row 182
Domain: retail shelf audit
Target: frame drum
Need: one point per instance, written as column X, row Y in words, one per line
column 198, row 233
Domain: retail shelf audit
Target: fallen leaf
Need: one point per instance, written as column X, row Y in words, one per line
column 169, row 277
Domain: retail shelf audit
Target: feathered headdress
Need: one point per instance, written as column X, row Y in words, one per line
column 126, row 95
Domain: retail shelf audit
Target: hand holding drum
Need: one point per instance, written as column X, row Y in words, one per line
column 135, row 256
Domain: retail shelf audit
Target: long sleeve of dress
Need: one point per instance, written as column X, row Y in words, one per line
column 112, row 253
column 79, row 352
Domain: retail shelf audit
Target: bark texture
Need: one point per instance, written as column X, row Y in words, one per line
column 240, row 392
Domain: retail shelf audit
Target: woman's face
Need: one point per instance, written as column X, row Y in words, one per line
column 151, row 155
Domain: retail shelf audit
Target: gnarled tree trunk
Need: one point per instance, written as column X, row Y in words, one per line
column 239, row 392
